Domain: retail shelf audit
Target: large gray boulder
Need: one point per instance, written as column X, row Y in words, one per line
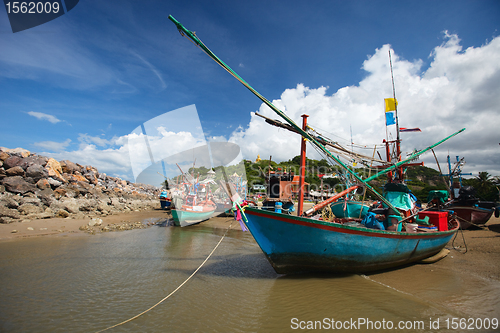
column 33, row 160
column 17, row 184
column 70, row 205
column 37, row 172
column 7, row 215
column 11, row 162
column 29, row 209
column 69, row 167
column 15, row 171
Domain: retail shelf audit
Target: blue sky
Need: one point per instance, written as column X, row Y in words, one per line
column 76, row 87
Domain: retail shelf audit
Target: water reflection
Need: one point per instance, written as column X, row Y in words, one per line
column 83, row 284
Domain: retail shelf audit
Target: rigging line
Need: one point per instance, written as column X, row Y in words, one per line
column 335, row 146
column 330, row 133
column 358, row 145
column 362, row 146
column 176, row 289
column 359, row 157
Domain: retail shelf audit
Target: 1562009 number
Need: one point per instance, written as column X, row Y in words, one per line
column 471, row 323
column 32, row 7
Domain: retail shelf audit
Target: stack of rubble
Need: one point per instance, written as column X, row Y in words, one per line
column 36, row 187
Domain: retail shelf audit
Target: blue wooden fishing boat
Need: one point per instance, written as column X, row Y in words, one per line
column 308, row 243
column 296, row 244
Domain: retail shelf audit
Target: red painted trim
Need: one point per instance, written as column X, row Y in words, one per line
column 381, row 233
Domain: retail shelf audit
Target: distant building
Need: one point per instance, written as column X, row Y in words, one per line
column 258, row 188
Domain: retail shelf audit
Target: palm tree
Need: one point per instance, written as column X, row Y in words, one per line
column 483, row 178
column 484, row 185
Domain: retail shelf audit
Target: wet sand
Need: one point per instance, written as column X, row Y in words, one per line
column 482, row 258
column 66, row 226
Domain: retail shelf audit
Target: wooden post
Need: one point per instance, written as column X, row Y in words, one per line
column 302, row 170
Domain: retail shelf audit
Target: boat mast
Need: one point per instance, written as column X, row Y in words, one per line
column 399, row 172
column 395, row 103
column 302, row 170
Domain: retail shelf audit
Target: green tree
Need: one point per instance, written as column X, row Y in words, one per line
column 485, row 187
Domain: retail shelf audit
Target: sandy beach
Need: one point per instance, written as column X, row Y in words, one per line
column 65, row 226
column 463, row 284
column 482, row 257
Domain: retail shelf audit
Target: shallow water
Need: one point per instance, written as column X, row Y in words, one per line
column 89, row 283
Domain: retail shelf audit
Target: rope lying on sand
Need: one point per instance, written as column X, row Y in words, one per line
column 176, row 289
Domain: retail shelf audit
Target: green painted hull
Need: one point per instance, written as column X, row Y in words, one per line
column 184, row 218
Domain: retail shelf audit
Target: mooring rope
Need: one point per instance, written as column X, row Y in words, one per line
column 176, row 289
column 462, row 233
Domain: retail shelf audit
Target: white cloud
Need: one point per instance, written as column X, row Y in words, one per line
column 114, row 162
column 97, row 140
column 52, row 145
column 176, row 133
column 152, row 68
column 44, row 116
column 459, row 89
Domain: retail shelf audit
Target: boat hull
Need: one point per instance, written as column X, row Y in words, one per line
column 165, row 204
column 185, row 217
column 223, row 209
column 295, row 244
column 472, row 215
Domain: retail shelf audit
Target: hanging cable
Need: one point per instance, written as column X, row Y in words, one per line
column 175, row 290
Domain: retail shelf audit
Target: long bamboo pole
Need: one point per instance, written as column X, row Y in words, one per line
column 198, row 42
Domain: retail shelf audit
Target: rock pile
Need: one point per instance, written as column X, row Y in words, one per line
column 36, row 187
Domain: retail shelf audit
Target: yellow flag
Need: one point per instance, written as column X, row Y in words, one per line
column 390, row 104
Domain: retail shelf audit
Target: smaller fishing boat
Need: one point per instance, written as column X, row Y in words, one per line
column 470, row 210
column 165, row 200
column 193, row 200
column 193, row 211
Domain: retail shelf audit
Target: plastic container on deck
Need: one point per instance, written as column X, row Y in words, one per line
column 439, row 219
column 411, row 227
column 278, row 206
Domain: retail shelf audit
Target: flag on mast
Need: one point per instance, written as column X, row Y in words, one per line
column 390, row 110
column 390, row 104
